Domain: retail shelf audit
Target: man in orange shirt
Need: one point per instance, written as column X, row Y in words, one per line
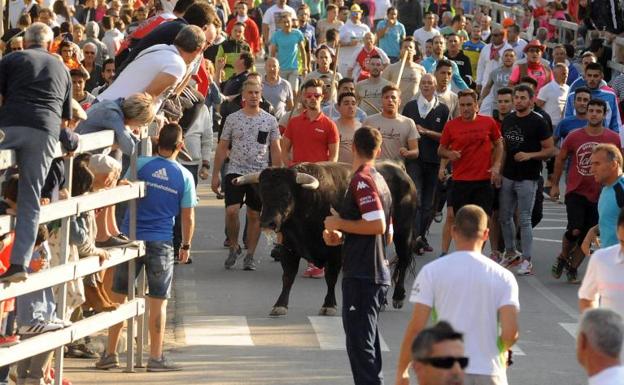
column 311, row 137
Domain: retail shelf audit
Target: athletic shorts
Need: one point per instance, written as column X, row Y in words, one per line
column 582, row 214
column 480, row 193
column 237, row 195
column 158, row 262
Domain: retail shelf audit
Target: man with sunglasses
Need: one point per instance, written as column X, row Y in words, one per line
column 311, row 137
column 435, row 353
column 458, row 284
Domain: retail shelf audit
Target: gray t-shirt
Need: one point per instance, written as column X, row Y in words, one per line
column 250, row 138
column 277, row 94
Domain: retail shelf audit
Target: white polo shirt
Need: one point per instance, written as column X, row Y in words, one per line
column 604, row 279
column 467, row 289
column 555, row 96
column 612, row 376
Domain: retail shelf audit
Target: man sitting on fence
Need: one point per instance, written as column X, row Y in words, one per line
column 170, row 190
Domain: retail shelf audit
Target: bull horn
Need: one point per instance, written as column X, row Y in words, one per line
column 307, row 181
column 247, row 179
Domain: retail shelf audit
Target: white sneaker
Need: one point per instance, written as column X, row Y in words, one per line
column 510, row 259
column 526, row 268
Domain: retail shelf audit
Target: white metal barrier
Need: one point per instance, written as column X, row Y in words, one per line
column 500, row 11
column 68, row 271
column 618, row 55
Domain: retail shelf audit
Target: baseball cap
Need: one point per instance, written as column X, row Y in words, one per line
column 103, row 164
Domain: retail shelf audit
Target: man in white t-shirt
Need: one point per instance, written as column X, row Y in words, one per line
column 474, row 294
column 351, row 36
column 554, row 95
column 159, row 69
column 273, row 17
column 428, row 31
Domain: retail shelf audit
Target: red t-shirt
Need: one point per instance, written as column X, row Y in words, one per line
column 362, row 59
column 578, row 145
column 310, row 139
column 474, row 140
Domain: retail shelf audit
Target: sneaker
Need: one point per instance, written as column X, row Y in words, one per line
column 226, row 243
column 15, row 273
column 316, row 272
column 495, row 256
column 107, row 361
column 162, row 365
column 40, row 327
column 437, row 217
column 80, row 351
column 6, row 341
column 231, row 259
column 114, row 242
column 123, row 237
column 558, row 267
column 526, row 268
column 572, row 275
column 248, row 263
column 510, row 259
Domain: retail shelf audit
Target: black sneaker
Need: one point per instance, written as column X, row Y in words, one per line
column 572, row 275
column 162, row 365
column 558, row 267
column 15, row 273
column 112, row 242
column 80, row 351
column 232, row 256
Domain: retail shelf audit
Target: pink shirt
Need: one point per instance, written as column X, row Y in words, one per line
column 534, row 70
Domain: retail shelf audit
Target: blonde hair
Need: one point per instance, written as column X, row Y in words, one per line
column 613, row 153
column 139, row 107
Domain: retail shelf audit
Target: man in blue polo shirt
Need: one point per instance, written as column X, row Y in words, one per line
column 170, row 190
column 606, row 166
column 364, row 228
column 579, row 119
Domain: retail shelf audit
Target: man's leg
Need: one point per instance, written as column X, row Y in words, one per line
column 415, row 171
column 507, row 207
column 156, row 325
column 525, row 193
column 234, row 198
column 430, row 183
column 253, row 235
column 34, row 149
column 114, row 332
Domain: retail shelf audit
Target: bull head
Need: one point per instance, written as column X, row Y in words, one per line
column 276, row 188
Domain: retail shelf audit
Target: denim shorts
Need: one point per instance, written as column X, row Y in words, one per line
column 158, row 262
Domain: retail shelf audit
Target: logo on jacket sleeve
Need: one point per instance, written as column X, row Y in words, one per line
column 160, row 174
column 361, row 185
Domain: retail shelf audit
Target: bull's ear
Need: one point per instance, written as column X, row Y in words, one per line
column 247, row 179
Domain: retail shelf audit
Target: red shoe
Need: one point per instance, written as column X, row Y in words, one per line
column 308, row 271
column 6, row 341
column 313, row 272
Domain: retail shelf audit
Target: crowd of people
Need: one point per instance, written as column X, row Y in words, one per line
column 485, row 123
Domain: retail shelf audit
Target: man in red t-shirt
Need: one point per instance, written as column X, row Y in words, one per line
column 474, row 146
column 582, row 190
column 311, row 137
column 252, row 33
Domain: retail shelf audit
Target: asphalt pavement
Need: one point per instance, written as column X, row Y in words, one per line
column 220, row 330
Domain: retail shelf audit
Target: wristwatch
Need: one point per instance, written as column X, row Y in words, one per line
column 186, row 246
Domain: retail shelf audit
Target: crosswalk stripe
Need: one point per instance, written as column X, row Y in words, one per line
column 517, row 351
column 571, row 328
column 217, row 330
column 330, row 333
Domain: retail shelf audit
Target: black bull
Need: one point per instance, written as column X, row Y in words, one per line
column 295, row 202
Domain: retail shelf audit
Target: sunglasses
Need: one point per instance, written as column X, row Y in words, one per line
column 313, row 95
column 445, row 362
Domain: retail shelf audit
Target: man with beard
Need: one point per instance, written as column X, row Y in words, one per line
column 412, row 71
column 455, row 54
column 582, row 190
column 369, row 90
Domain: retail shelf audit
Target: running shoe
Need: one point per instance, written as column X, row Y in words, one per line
column 558, row 267
column 510, row 259
column 231, row 259
column 526, row 268
column 313, row 272
column 495, row 256
column 162, row 365
column 15, row 273
column 39, row 327
column 6, row 341
column 572, row 275
column 248, row 263
column 108, row 361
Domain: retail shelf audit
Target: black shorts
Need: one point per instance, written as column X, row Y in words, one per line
column 582, row 214
column 241, row 194
column 480, row 193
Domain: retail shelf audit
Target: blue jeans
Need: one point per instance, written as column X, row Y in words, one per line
column 425, row 177
column 158, row 261
column 36, row 306
column 520, row 194
column 34, row 150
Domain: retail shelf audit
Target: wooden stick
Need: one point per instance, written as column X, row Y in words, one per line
column 370, row 105
column 333, row 82
column 403, row 61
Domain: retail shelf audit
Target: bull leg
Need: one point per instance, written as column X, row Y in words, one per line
column 404, row 256
column 332, row 269
column 290, row 266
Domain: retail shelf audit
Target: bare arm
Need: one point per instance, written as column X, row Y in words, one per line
column 188, row 228
column 333, row 152
column 305, row 55
column 585, row 304
column 446, row 153
column 276, row 153
column 272, row 50
column 285, row 151
column 420, row 316
column 508, row 317
column 412, row 149
column 497, row 155
column 265, row 32
column 160, row 83
column 547, row 151
column 485, row 91
column 220, row 155
column 360, row 226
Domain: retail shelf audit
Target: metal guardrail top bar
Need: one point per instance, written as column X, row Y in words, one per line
column 88, row 142
column 518, row 11
column 564, row 24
